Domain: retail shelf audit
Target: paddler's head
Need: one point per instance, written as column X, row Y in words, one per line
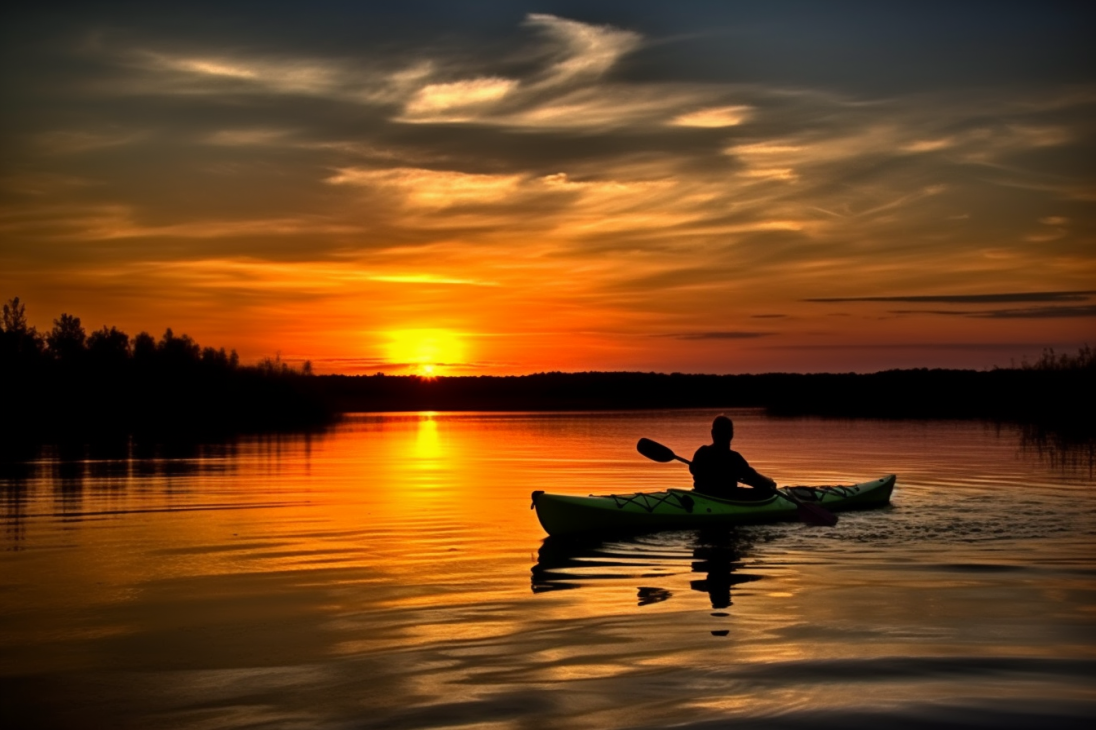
column 722, row 430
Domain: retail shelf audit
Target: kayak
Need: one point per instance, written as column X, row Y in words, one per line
column 564, row 514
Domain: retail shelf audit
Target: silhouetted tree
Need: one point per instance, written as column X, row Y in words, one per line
column 1085, row 359
column 218, row 359
column 15, row 316
column 178, row 351
column 108, row 346
column 106, row 384
column 144, row 348
column 273, row 366
column 67, row 339
column 19, row 342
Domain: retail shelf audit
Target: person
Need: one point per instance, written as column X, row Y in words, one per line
column 717, row 470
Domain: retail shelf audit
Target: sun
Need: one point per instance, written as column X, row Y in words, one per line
column 426, row 352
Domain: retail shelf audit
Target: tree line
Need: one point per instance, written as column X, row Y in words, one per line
column 1057, row 391
column 66, row 382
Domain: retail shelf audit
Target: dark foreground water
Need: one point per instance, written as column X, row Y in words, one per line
column 391, row 575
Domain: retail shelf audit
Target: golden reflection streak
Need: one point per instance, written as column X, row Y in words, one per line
column 428, row 447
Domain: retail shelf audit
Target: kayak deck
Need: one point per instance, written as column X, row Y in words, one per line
column 562, row 514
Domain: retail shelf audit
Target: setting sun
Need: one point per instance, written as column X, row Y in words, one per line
column 425, row 352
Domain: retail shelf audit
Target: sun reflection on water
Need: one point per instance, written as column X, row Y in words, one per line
column 429, row 450
column 397, row 558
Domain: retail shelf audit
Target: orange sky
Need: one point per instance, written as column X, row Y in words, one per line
column 524, row 190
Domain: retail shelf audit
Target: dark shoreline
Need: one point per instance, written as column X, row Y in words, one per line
column 59, row 405
column 67, row 385
column 1014, row 395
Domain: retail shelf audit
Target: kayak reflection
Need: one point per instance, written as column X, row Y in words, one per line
column 654, row 564
column 718, row 555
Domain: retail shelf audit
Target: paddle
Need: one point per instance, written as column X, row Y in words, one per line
column 812, row 514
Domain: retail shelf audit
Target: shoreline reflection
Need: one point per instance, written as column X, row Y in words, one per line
column 1065, row 452
column 69, row 481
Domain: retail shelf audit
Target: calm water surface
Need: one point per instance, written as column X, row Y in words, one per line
column 390, row 574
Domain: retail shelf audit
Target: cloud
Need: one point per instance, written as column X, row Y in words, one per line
column 771, row 173
column 365, row 365
column 1002, row 346
column 171, row 73
column 722, row 335
column 457, row 101
column 567, row 91
column 117, row 222
column 723, row 116
column 248, row 137
column 1084, row 310
column 1010, row 297
column 430, row 279
column 433, row 188
column 576, row 173
column 928, row 145
column 75, row 141
column 583, row 50
column 209, row 67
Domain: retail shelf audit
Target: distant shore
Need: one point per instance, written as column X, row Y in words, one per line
column 221, row 401
column 1063, row 397
column 67, row 384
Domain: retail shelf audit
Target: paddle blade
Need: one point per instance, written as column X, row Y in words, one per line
column 655, row 451
column 812, row 514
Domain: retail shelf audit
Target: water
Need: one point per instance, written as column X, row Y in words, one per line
column 390, row 574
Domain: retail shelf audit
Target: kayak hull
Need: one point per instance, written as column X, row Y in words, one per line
column 562, row 514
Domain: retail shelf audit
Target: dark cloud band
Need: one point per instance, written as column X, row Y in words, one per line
column 1007, row 298
column 732, row 335
column 1085, row 310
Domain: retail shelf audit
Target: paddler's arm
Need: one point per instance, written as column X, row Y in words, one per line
column 759, row 481
column 754, row 478
column 699, row 465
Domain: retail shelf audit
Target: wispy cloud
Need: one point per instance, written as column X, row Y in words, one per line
column 457, row 101
column 715, row 117
column 582, row 50
column 432, row 188
column 75, row 141
column 1008, row 297
column 725, row 335
column 1085, row 310
column 430, row 279
column 249, row 137
column 591, row 180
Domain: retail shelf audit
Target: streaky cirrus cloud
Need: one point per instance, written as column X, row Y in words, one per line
column 729, row 335
column 555, row 189
column 1009, row 297
column 1087, row 311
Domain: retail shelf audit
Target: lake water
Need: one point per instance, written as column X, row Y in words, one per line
column 390, row 574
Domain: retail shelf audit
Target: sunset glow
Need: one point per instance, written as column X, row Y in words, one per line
column 425, row 352
column 702, row 189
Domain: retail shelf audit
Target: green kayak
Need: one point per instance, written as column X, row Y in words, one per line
column 563, row 514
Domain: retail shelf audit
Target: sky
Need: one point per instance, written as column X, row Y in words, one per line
column 509, row 187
